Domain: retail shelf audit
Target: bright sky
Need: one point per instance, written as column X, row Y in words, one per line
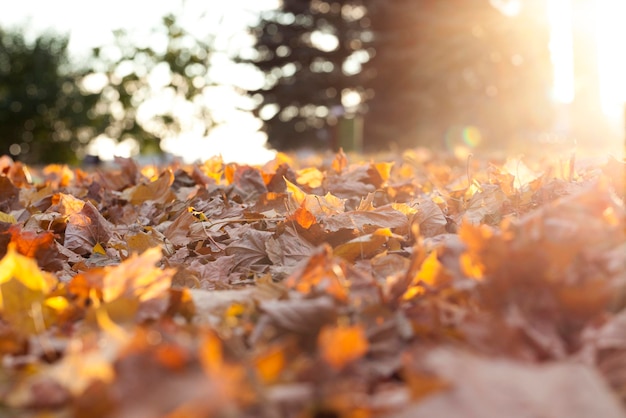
column 90, row 24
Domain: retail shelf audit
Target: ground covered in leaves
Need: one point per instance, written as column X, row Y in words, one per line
column 417, row 286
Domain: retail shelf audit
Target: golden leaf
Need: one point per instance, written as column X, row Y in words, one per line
column 23, row 291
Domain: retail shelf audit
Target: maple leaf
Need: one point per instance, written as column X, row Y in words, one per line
column 157, row 190
column 316, row 205
column 249, row 251
column 382, row 217
column 288, row 250
column 40, row 246
column 249, row 182
column 85, row 228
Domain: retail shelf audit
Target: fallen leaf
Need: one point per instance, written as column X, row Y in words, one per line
column 341, row 345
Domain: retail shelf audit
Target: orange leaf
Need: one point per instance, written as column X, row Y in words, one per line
column 270, row 363
column 304, row 218
column 340, row 162
column 341, row 345
column 384, row 170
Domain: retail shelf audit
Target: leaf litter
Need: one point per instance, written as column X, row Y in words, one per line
column 420, row 286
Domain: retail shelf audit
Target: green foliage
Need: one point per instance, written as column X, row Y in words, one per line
column 43, row 112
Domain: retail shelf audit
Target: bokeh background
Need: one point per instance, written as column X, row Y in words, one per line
column 243, row 78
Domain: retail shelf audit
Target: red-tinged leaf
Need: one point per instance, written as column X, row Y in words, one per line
column 341, row 345
column 9, row 195
column 302, row 217
column 40, row 246
column 17, row 172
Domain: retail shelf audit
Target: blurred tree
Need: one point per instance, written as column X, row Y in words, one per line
column 43, row 112
column 440, row 66
column 311, row 52
column 171, row 75
column 50, row 108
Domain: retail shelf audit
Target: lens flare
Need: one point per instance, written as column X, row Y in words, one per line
column 461, row 140
column 471, row 136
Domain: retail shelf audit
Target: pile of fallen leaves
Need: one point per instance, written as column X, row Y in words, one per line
column 422, row 286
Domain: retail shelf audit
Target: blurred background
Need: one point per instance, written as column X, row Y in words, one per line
column 196, row 78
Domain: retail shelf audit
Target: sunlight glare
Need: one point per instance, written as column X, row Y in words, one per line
column 561, row 49
column 611, row 35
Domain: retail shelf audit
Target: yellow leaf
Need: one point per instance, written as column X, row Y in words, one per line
column 158, row 190
column 98, row 249
column 384, row 170
column 311, row 177
column 431, row 274
column 23, row 290
column 137, row 277
column 15, row 266
column 361, row 247
column 298, row 195
column 8, row 218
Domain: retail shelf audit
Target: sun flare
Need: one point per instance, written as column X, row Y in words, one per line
column 609, row 33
